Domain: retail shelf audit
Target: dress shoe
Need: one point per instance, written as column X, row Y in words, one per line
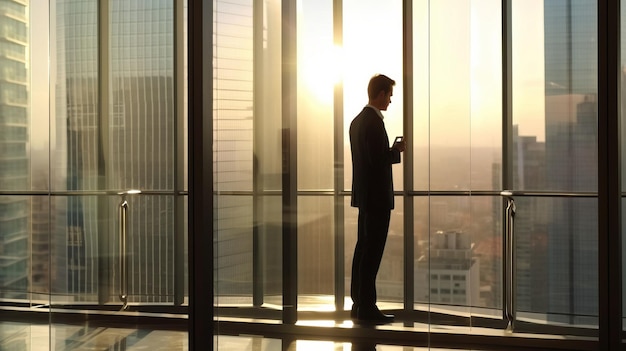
column 373, row 316
column 353, row 312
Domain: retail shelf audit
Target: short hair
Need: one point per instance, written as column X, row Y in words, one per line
column 378, row 83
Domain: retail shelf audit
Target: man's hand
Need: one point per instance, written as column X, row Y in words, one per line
column 400, row 146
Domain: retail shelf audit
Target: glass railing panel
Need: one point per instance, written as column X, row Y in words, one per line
column 447, row 269
column 82, row 236
column 556, row 260
column 16, row 245
column 269, row 255
column 248, row 252
column 101, row 250
column 41, row 249
column 316, row 253
column 248, row 157
column 233, row 247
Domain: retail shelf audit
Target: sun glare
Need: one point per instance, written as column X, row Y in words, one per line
column 321, row 69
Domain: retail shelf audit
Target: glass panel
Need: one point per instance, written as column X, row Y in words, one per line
column 269, row 257
column 316, row 261
column 450, row 94
column 421, row 95
column 421, row 246
column 15, row 173
column 77, row 227
column 486, row 92
column 318, row 68
column 77, row 146
column 555, row 149
column 554, row 95
column 248, row 154
column 268, row 152
column 448, row 256
column 459, row 107
column 359, row 36
column 86, row 253
column 140, row 126
column 128, row 143
column 233, row 152
column 233, row 248
column 233, row 96
column 557, row 260
column 41, row 248
column 39, row 94
column 15, row 247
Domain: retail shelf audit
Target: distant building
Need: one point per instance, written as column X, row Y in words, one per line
column 571, row 159
column 450, row 274
column 14, row 160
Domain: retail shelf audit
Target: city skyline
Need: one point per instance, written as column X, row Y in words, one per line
column 141, row 104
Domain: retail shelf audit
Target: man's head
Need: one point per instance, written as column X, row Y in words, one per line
column 380, row 90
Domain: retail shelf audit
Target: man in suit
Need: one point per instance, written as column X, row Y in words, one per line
column 372, row 193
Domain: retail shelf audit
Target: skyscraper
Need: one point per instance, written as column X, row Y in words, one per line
column 571, row 158
column 14, row 165
column 451, row 270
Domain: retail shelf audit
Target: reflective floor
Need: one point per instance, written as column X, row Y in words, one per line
column 16, row 336
column 26, row 337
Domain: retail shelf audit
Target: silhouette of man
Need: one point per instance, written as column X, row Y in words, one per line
column 372, row 193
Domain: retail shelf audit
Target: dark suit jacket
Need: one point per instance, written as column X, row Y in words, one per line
column 372, row 183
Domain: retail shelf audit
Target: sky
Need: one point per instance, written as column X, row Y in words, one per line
column 456, row 76
column 39, row 70
column 456, row 68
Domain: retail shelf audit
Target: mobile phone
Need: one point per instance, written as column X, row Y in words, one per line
column 398, row 139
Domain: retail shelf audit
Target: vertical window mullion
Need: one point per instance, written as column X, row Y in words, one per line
column 609, row 173
column 290, row 162
column 507, row 125
column 179, row 152
column 104, row 88
column 201, row 225
column 407, row 162
column 339, row 203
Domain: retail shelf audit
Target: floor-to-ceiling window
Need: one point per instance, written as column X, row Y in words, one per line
column 113, row 130
column 457, row 157
column 93, row 162
column 459, row 118
column 554, row 160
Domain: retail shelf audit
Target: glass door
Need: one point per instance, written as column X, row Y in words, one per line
column 456, row 161
column 553, row 162
column 117, row 193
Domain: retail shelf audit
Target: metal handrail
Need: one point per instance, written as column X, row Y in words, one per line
column 508, row 271
column 123, row 230
column 123, row 226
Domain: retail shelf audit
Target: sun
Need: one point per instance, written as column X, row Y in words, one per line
column 321, row 69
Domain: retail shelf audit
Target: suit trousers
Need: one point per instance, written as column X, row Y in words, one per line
column 372, row 235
